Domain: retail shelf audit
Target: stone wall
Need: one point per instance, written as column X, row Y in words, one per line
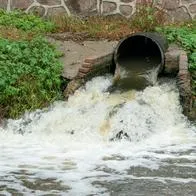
column 175, row 9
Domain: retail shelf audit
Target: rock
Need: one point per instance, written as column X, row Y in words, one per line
column 126, row 10
column 121, row 135
column 87, row 6
column 21, row 4
column 170, row 5
column 56, row 11
column 126, row 1
column 192, row 8
column 180, row 14
column 172, row 60
column 39, row 11
column 3, row 4
column 109, row 7
column 184, row 83
column 49, row 2
column 72, row 87
column 187, row 1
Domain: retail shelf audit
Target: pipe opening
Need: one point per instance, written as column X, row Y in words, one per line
column 135, row 57
column 139, row 51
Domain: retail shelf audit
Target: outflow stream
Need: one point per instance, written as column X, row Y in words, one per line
column 99, row 143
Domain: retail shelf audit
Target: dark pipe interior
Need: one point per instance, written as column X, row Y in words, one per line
column 141, row 49
column 137, row 54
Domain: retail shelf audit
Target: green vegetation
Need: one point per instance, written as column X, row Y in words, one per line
column 146, row 18
column 94, row 27
column 25, row 22
column 29, row 75
column 185, row 36
column 29, row 66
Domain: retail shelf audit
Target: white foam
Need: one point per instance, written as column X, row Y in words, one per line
column 70, row 141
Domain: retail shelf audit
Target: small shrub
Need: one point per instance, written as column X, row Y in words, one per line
column 29, row 76
column 13, row 33
column 185, row 36
column 147, row 16
column 26, row 22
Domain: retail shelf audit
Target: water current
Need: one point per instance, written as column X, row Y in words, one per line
column 131, row 143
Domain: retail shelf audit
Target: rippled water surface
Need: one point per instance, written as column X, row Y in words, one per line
column 73, row 148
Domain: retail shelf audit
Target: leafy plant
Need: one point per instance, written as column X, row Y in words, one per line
column 185, row 36
column 147, row 16
column 29, row 75
column 25, row 22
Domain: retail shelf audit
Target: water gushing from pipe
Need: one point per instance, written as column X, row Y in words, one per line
column 67, row 149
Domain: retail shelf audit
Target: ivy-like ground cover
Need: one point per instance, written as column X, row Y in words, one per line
column 29, row 66
column 185, row 36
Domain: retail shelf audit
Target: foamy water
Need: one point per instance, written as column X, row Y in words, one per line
column 71, row 148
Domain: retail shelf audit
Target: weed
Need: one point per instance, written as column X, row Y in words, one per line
column 25, row 22
column 29, row 75
column 96, row 27
column 147, row 16
column 185, row 36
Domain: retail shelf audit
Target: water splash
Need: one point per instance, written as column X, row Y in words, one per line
column 152, row 75
column 67, row 148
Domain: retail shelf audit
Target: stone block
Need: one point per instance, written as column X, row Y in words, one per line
column 184, row 83
column 84, row 70
column 187, row 1
column 21, row 4
column 170, row 5
column 172, row 60
column 183, row 61
column 143, row 1
column 126, row 1
column 91, row 59
column 87, row 65
column 39, row 11
column 49, row 2
column 109, row 7
column 192, row 8
column 56, row 11
column 3, row 4
column 180, row 14
column 87, row 5
column 126, row 10
column 80, row 75
column 72, row 87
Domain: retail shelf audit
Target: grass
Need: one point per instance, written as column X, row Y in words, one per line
column 95, row 27
column 146, row 18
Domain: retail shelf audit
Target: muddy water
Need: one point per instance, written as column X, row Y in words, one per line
column 67, row 149
column 137, row 72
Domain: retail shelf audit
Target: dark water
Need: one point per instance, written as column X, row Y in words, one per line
column 133, row 72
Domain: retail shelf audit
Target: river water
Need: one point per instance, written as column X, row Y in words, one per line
column 73, row 148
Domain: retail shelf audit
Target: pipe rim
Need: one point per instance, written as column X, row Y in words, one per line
column 140, row 35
